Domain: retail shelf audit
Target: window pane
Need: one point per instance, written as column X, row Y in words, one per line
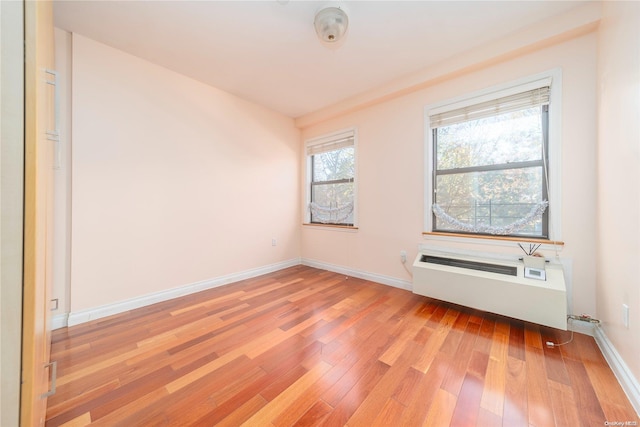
column 333, row 165
column 510, row 137
column 333, row 196
column 494, row 198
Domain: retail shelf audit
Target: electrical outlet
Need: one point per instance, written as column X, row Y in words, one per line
column 403, row 256
column 273, row 242
column 625, row 315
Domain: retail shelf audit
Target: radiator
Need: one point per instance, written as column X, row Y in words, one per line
column 493, row 285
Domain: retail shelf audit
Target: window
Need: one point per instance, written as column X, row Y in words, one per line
column 331, row 162
column 490, row 158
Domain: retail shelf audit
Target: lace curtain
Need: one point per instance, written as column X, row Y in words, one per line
column 329, row 215
column 535, row 213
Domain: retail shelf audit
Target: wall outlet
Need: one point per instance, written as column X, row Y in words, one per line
column 625, row 315
column 273, row 242
column 403, row 256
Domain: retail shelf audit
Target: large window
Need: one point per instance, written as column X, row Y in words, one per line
column 331, row 163
column 490, row 165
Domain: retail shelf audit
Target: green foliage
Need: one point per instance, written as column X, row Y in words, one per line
column 332, row 166
column 506, row 138
column 494, row 197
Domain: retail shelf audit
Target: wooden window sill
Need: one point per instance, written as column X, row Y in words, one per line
column 501, row 238
column 342, row 227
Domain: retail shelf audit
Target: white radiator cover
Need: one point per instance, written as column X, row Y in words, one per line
column 538, row 301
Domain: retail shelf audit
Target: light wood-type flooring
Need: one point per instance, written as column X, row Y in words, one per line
column 304, row 346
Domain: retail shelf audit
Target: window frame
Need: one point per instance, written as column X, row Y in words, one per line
column 310, row 183
column 544, row 160
column 553, row 79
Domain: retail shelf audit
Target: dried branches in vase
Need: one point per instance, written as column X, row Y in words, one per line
column 532, row 259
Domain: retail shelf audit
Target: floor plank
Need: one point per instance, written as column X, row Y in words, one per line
column 303, row 346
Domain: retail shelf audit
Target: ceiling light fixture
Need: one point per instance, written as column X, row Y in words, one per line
column 331, row 24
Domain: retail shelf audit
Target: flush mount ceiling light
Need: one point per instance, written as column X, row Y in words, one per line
column 331, row 24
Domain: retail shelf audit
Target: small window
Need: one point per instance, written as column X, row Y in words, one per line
column 331, row 164
column 490, row 158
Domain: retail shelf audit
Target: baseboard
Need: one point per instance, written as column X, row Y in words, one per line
column 622, row 372
column 82, row 316
column 625, row 377
column 378, row 278
column 59, row 321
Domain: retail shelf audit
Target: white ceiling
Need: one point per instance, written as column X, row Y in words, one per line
column 267, row 51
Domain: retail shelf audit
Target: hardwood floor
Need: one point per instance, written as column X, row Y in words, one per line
column 309, row 347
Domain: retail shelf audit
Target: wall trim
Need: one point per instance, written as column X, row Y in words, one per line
column 620, row 369
column 59, row 321
column 378, row 278
column 83, row 316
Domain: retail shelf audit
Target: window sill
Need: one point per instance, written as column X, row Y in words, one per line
column 491, row 240
column 331, row 226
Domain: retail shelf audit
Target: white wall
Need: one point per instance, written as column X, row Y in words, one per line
column 174, row 182
column 618, row 172
column 61, row 256
column 11, row 213
column 391, row 168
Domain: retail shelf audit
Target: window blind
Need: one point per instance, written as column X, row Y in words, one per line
column 330, row 143
column 519, row 101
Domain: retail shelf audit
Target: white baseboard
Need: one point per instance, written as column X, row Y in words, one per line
column 59, row 321
column 622, row 372
column 82, row 316
column 378, row 278
column 625, row 377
